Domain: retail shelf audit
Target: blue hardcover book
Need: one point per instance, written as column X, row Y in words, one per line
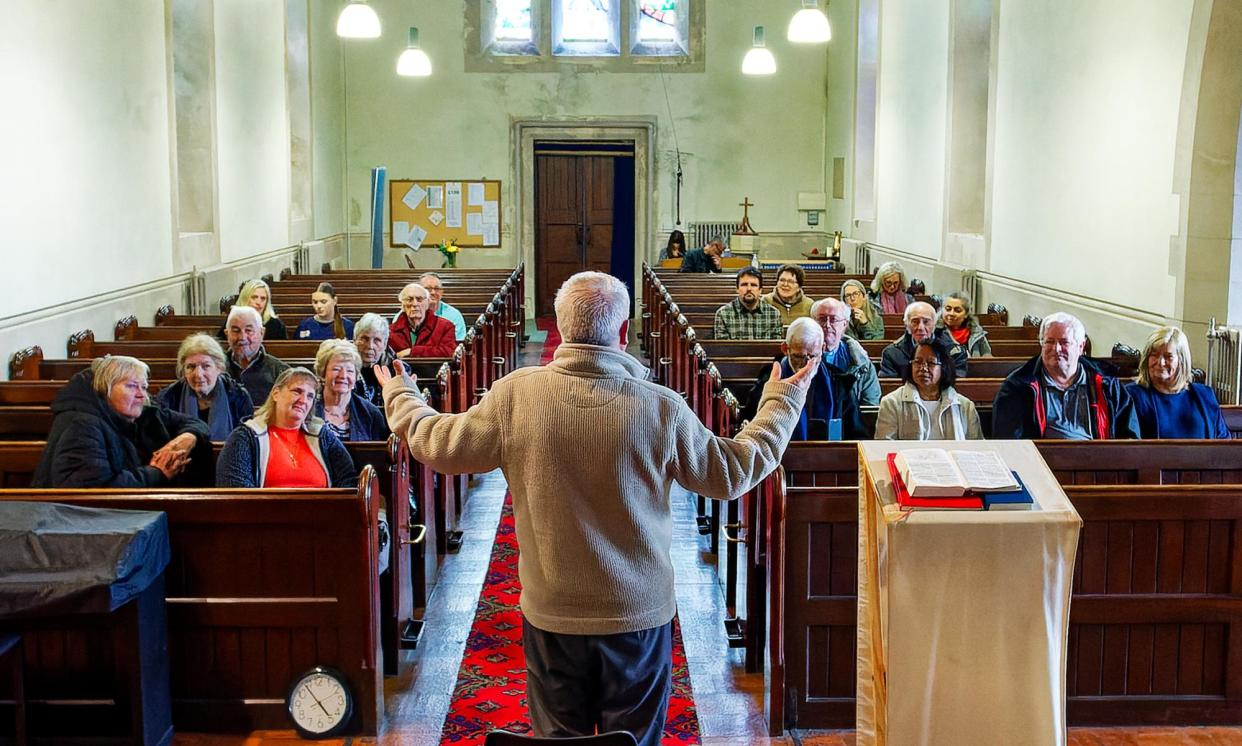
column 1019, row 500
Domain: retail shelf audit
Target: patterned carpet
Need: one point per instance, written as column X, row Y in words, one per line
column 491, row 684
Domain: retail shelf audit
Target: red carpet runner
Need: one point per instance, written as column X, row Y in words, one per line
column 491, row 685
column 547, row 324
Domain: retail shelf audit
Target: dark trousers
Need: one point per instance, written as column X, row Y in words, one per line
column 578, row 684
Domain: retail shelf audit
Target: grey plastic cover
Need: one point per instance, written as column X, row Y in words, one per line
column 72, row 559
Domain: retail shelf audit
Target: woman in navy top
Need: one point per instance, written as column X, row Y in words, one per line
column 1168, row 404
column 326, row 323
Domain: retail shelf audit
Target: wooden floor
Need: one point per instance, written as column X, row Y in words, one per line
column 729, row 702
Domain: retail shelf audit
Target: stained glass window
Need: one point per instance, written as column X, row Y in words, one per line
column 586, row 20
column 657, row 20
column 513, row 20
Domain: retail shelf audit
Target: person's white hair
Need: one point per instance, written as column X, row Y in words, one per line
column 244, row 313
column 1170, row 338
column 886, row 269
column 331, row 349
column 915, row 306
column 106, row 371
column 200, row 344
column 805, row 330
column 372, row 323
column 421, row 291
column 425, row 275
column 1061, row 317
column 590, row 308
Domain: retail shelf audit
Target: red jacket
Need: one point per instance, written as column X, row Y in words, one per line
column 435, row 337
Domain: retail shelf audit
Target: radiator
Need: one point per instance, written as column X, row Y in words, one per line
column 862, row 258
column 1224, row 362
column 970, row 284
column 196, row 292
column 698, row 234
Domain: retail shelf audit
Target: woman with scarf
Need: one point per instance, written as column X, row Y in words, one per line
column 204, row 391
column 888, row 288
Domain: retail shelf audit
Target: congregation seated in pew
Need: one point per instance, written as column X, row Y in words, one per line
column 920, row 320
column 257, row 295
column 746, row 316
column 435, row 288
column 249, row 363
column 371, row 340
column 958, row 319
column 927, row 406
column 284, row 445
column 327, row 323
column 676, row 246
column 1061, row 394
column 418, row 331
column 787, row 297
column 889, row 288
column 348, row 416
column 107, row 433
column 843, row 354
column 707, row 260
column 203, row 390
column 866, row 320
column 1168, row 404
column 831, row 410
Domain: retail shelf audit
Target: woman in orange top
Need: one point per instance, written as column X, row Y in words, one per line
column 283, row 445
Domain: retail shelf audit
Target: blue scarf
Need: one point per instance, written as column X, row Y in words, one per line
column 820, row 402
column 220, row 421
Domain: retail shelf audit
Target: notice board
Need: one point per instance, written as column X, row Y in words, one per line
column 428, row 212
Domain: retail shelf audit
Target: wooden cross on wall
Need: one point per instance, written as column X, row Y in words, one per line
column 744, row 229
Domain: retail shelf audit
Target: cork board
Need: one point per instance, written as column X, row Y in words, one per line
column 427, row 212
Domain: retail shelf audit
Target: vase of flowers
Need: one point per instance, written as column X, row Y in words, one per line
column 449, row 249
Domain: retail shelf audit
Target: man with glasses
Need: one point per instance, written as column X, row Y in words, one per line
column 1062, row 395
column 418, row 332
column 920, row 319
column 435, row 286
column 843, row 355
column 832, row 409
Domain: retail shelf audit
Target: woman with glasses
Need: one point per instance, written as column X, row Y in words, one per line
column 865, row 319
column 1167, row 402
column 787, row 297
column 927, row 407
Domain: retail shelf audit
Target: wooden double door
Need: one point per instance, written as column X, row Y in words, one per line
column 574, row 211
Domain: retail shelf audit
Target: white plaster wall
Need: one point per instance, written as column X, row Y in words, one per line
column 252, row 126
column 839, row 116
column 910, row 125
column 327, row 121
column 84, row 149
column 740, row 136
column 1088, row 98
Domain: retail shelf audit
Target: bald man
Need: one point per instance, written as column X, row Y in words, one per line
column 920, row 321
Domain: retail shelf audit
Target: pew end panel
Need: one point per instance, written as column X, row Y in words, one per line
column 24, row 365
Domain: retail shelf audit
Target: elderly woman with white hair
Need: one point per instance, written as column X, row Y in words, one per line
column 204, row 390
column 348, row 416
column 371, row 339
column 106, row 433
column 888, row 288
column 284, row 444
column 1167, row 402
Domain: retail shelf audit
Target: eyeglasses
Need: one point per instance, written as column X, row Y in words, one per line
column 852, row 294
column 925, row 364
column 827, row 321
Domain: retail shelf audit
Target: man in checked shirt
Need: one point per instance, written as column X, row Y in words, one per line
column 745, row 317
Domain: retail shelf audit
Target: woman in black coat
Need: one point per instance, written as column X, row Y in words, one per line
column 107, row 434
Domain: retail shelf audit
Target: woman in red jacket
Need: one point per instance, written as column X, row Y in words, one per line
column 418, row 332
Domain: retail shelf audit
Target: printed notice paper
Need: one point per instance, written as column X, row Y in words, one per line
column 474, row 196
column 474, row 223
column 400, row 232
column 436, row 217
column 416, row 236
column 414, row 197
column 491, row 234
column 435, row 198
column 452, row 204
column 491, row 212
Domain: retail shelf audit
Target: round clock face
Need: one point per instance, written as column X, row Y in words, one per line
column 320, row 703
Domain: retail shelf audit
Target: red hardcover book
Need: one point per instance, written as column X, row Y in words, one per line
column 964, row 502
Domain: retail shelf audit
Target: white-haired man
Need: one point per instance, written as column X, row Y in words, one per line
column 435, row 287
column 920, row 320
column 831, row 410
column 589, row 446
column 1061, row 394
column 418, row 331
column 249, row 363
column 371, row 339
column 843, row 354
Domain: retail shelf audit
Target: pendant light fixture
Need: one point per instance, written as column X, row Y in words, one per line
column 809, row 25
column 759, row 60
column 358, row 21
column 414, row 62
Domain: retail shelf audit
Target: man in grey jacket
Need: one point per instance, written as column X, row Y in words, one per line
column 590, row 447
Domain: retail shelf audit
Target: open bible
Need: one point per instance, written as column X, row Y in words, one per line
column 935, row 472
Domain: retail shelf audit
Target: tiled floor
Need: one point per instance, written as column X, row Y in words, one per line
column 729, row 702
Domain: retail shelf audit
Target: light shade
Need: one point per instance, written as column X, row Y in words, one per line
column 809, row 25
column 358, row 21
column 758, row 61
column 414, row 62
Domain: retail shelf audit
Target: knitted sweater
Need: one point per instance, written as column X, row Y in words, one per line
column 590, row 448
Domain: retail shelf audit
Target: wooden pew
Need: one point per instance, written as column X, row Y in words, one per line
column 263, row 586
column 1157, row 597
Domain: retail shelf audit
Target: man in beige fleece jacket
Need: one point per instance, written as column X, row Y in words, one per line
column 590, row 448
